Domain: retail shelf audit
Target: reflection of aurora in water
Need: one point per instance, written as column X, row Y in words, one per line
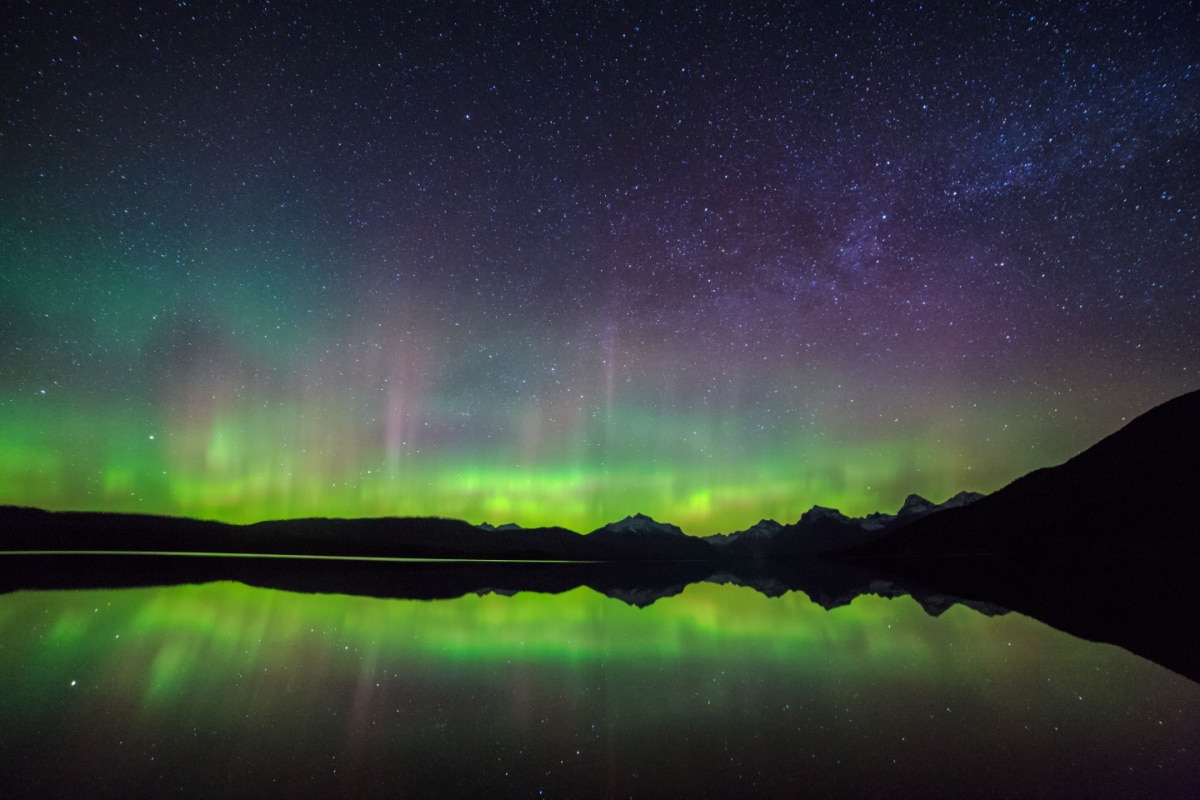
column 231, row 689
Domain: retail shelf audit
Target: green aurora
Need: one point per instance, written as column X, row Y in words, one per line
column 256, row 460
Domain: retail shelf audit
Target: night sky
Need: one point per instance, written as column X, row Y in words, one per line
column 561, row 264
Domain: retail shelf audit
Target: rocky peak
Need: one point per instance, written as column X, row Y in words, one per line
column 641, row 524
column 915, row 504
column 764, row 528
column 961, row 499
column 818, row 513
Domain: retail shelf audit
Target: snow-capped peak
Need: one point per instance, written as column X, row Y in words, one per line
column 642, row 524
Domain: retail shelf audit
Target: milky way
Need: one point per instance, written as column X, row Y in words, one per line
column 556, row 264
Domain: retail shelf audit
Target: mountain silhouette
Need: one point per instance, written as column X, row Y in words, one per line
column 641, row 538
column 635, row 538
column 1105, row 546
column 822, row 530
column 1134, row 492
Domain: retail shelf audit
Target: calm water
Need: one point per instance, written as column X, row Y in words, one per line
column 221, row 689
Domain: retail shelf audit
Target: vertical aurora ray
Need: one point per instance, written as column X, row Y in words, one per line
column 250, row 459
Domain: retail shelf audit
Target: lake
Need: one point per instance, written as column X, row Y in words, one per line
column 718, row 691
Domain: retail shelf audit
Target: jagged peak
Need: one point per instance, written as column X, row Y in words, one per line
column 508, row 526
column 763, row 529
column 876, row 521
column 822, row 512
column 915, row 504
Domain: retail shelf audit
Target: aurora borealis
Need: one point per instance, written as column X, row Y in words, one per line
column 719, row 691
column 555, row 264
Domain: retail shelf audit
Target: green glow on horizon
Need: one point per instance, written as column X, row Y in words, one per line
column 247, row 464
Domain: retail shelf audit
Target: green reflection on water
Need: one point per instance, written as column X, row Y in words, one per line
column 707, row 620
column 719, row 687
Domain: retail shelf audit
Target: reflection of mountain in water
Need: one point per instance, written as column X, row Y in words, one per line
column 1105, row 547
column 828, row 585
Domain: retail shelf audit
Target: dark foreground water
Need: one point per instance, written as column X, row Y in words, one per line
column 225, row 690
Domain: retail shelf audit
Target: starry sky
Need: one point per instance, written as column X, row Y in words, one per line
column 552, row 263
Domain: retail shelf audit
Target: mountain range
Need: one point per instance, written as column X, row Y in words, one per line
column 635, row 538
column 1105, row 546
column 1133, row 493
